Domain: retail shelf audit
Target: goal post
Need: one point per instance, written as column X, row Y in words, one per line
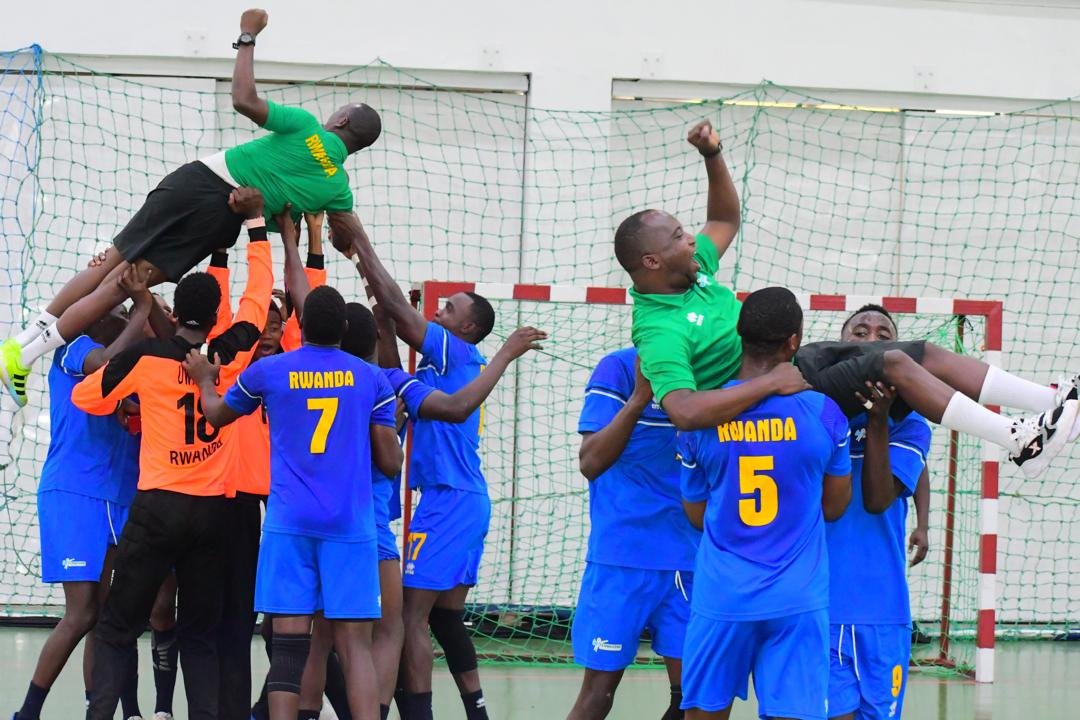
column 523, row 605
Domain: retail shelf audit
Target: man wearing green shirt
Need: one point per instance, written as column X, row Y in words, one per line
column 190, row 214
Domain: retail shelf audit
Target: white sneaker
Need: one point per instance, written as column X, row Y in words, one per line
column 1039, row 438
column 1068, row 388
column 163, row 716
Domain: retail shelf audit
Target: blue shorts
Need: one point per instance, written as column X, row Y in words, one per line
column 616, row 603
column 446, row 539
column 868, row 670
column 298, row 575
column 787, row 656
column 76, row 531
column 383, row 493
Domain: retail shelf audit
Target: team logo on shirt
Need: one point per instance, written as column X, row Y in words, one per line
column 695, row 318
column 69, row 563
column 860, row 435
column 703, row 280
column 599, row 644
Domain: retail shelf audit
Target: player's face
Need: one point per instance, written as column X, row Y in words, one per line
column 455, row 314
column 165, row 308
column 270, row 340
column 672, row 248
column 869, row 326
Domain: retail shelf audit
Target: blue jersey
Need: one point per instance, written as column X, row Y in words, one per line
column 763, row 552
column 412, row 392
column 635, row 507
column 91, row 455
column 445, row 453
column 320, row 403
column 867, row 553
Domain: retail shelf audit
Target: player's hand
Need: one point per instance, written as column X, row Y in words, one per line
column 98, row 260
column 314, row 222
column 283, row 299
column 643, row 393
column 200, row 368
column 787, row 380
column 400, row 415
column 918, row 545
column 135, row 282
column 290, row 233
column 704, row 138
column 877, row 401
column 253, row 21
column 522, row 341
column 246, row 201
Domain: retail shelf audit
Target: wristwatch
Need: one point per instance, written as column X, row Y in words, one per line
column 244, row 39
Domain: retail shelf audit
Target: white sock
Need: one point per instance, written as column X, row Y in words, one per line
column 48, row 340
column 967, row 416
column 42, row 321
column 1002, row 388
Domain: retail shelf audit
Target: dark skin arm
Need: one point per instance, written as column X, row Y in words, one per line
column 879, row 486
column 835, row 496
column 722, row 216
column 695, row 513
column 600, row 449
column 699, row 409
column 133, row 332
column 245, row 98
column 349, row 237
column 205, row 375
column 387, row 347
column 919, row 542
column 295, row 278
column 457, row 408
column 386, row 451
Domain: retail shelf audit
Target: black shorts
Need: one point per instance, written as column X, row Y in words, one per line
column 184, row 219
column 840, row 369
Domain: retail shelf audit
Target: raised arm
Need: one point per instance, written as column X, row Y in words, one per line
column 387, row 348
column 919, row 542
column 296, row 280
column 880, row 487
column 245, row 98
column 219, row 270
column 350, row 238
column 699, row 409
column 457, row 408
column 599, row 450
column 722, row 215
column 137, row 290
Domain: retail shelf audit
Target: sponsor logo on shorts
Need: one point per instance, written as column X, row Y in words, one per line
column 69, row 563
column 599, row 644
column 410, row 568
column 892, row 709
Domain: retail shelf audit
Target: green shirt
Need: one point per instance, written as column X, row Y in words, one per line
column 297, row 161
column 689, row 340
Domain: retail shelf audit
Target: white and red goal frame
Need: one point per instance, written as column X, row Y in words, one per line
column 427, row 297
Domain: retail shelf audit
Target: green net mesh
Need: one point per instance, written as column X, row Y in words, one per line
column 479, row 186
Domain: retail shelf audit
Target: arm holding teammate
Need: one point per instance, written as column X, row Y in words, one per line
column 133, row 331
column 919, row 542
column 880, row 487
column 600, row 449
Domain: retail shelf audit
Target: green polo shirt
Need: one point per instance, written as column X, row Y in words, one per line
column 689, row 340
column 297, row 161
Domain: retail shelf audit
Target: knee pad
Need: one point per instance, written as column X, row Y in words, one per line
column 448, row 627
column 290, row 653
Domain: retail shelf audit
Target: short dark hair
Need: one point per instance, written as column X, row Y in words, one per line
column 364, row 123
column 107, row 329
column 362, row 335
column 628, row 241
column 483, row 315
column 323, row 321
column 868, row 307
column 196, row 301
column 768, row 318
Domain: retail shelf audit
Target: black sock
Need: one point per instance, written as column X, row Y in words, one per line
column 165, row 653
column 475, row 709
column 309, row 715
column 129, row 696
column 87, row 694
column 414, row 706
column 31, row 707
column 384, row 711
column 673, row 712
column 260, row 710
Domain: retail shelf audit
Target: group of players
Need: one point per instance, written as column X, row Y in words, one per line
column 724, row 519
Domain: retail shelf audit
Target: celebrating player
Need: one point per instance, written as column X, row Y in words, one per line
column 870, row 638
column 327, row 410
column 178, row 514
column 186, row 216
column 446, row 538
column 640, row 562
column 684, row 330
column 762, row 485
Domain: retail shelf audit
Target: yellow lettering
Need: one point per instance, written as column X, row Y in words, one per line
column 750, row 431
column 789, row 429
column 776, row 429
column 736, row 431
column 292, row 381
column 318, row 380
column 763, row 431
column 305, row 380
column 722, row 433
column 349, row 381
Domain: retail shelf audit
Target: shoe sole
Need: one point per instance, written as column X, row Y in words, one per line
column 6, row 379
column 1066, row 422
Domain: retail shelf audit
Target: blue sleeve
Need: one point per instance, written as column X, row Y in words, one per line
column 245, row 395
column 909, row 444
column 385, row 403
column 74, row 355
column 694, row 484
column 442, row 350
column 605, row 395
column 840, row 436
column 412, row 392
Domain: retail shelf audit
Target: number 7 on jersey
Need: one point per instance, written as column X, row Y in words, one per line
column 328, row 408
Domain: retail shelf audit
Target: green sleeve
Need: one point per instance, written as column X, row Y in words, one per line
column 342, row 203
column 706, row 255
column 665, row 362
column 285, row 119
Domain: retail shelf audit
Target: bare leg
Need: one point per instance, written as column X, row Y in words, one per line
column 959, row 372
column 314, row 680
column 389, row 632
column 596, row 696
column 674, row 674
column 352, row 639
column 102, row 593
column 84, row 283
column 695, row 714
column 925, row 393
column 80, row 614
column 417, row 654
column 88, row 309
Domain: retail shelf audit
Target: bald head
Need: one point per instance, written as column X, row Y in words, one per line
column 357, row 124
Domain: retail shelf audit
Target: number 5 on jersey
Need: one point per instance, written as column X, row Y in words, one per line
column 757, row 492
column 327, row 408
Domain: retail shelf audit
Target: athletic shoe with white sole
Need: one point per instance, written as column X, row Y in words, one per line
column 1069, row 389
column 163, row 716
column 1039, row 438
column 12, row 372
